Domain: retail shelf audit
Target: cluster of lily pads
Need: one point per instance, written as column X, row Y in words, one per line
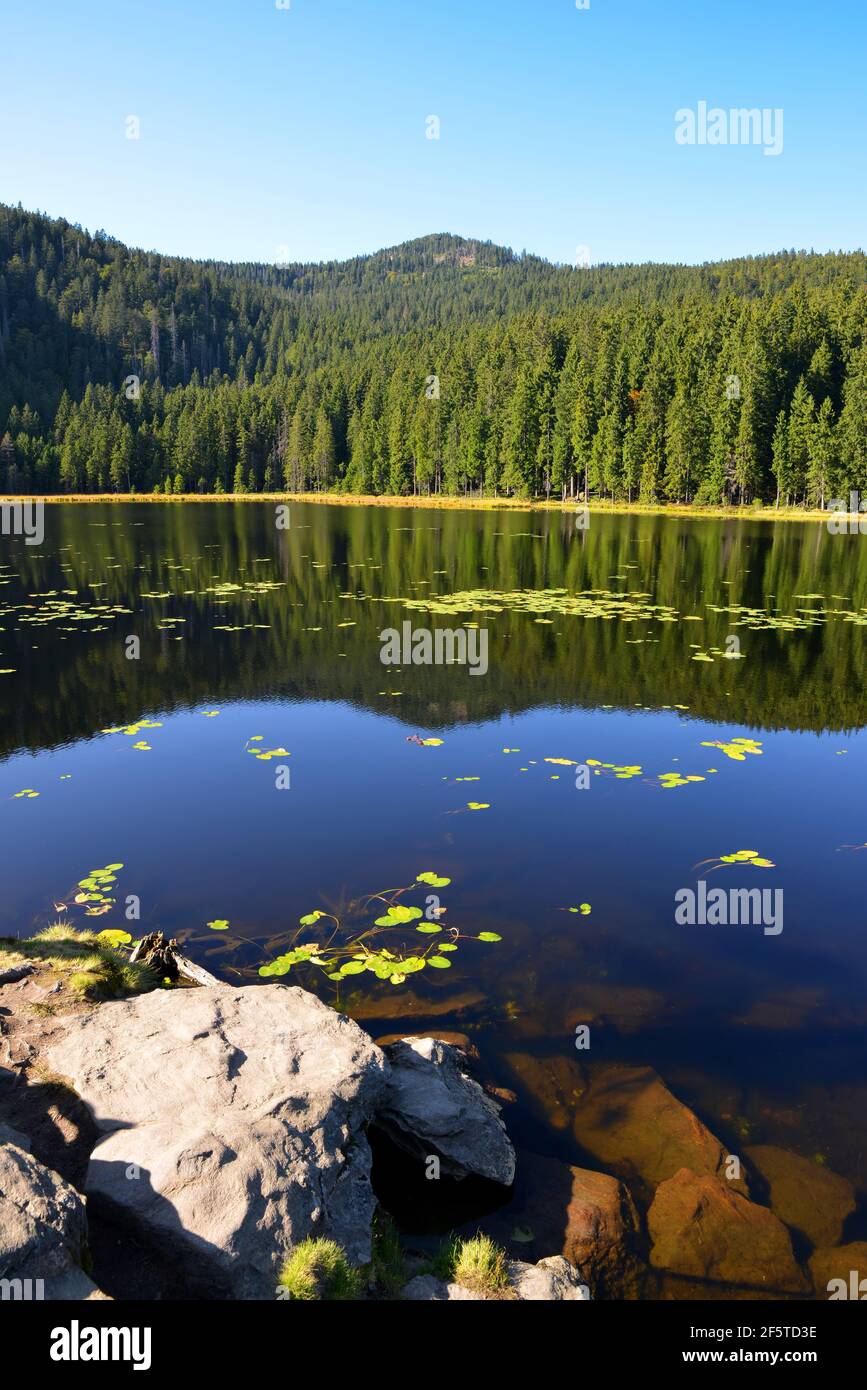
column 71, row 612
column 361, row 950
column 589, row 603
column 265, row 754
column 668, row 780
column 622, row 771
column 93, row 890
column 736, row 748
column 93, row 894
column 748, row 857
column 133, row 730
column 68, row 614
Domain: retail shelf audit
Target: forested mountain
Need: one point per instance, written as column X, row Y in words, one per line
column 442, row 365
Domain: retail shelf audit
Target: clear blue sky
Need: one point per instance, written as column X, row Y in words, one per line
column 299, row 133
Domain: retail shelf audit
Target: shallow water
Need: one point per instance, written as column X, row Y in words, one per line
column 762, row 1033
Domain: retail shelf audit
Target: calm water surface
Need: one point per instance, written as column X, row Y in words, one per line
column 278, row 631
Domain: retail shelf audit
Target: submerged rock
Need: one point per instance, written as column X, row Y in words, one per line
column 630, row 1121
column 601, row 1234
column 552, row 1280
column 628, row 1008
column 700, row 1228
column 555, row 1084
column 234, row 1126
column 845, row 1262
column 587, row 1217
column 788, row 1010
column 808, row 1197
column 403, row 1003
column 433, row 1107
column 43, row 1227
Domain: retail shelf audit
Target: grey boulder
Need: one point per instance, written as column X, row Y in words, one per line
column 432, row 1107
column 425, row 1288
column 43, row 1228
column 234, row 1123
column 553, row 1280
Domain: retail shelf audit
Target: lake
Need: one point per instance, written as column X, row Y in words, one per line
column 595, row 762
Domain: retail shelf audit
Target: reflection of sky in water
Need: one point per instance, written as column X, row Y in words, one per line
column 764, row 1034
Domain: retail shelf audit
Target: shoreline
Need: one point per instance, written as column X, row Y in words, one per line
column 669, row 510
column 660, row 1198
column 267, row 1229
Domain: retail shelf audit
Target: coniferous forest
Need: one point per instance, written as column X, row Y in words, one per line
column 442, row 366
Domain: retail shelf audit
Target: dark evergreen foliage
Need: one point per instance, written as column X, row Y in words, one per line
column 442, row 365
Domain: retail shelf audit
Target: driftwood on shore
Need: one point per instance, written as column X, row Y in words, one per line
column 167, row 961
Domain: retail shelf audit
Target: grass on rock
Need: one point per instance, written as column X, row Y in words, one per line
column 319, row 1269
column 478, row 1264
column 86, row 964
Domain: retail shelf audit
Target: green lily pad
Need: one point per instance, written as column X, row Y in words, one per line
column 113, row 936
column 398, row 916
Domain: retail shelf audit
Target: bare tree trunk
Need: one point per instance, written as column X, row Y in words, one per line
column 166, row 960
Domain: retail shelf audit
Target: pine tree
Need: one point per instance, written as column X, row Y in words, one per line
column 583, row 426
column 821, row 455
column 294, row 470
column 852, row 433
column 323, row 452
column 820, row 375
column 801, row 418
column 686, row 442
column 521, row 437
column 781, row 460
column 545, row 386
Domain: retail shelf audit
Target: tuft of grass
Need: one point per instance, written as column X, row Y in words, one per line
column 442, row 1264
column 477, row 1264
column 88, row 965
column 388, row 1266
column 480, row 1265
column 319, row 1269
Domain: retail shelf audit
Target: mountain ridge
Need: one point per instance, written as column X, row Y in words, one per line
column 471, row 244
